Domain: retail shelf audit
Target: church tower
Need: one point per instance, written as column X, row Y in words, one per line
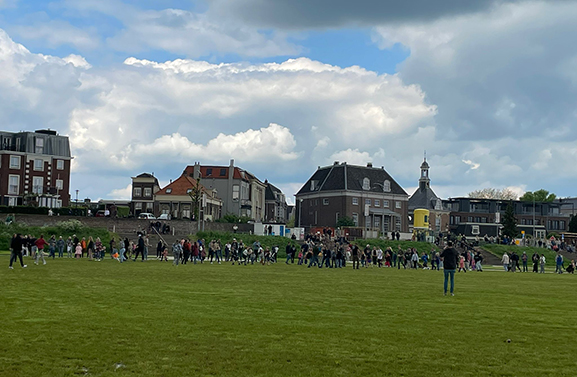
column 424, row 181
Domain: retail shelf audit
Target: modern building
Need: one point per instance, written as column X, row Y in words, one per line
column 35, row 169
column 425, row 198
column 175, row 199
column 275, row 204
column 472, row 217
column 143, row 188
column 367, row 195
column 241, row 192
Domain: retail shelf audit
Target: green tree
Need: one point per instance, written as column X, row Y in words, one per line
column 573, row 224
column 195, row 194
column 345, row 221
column 540, row 196
column 510, row 222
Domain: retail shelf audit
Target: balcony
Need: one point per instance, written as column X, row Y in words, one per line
column 245, row 203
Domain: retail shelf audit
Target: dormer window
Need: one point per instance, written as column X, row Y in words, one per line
column 366, row 184
column 387, row 186
column 168, row 190
column 314, row 185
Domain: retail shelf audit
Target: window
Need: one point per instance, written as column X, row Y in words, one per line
column 18, row 145
column 387, row 186
column 59, row 184
column 377, row 222
column 37, row 183
column 475, row 230
column 325, row 202
column 208, row 172
column 149, row 206
column 470, row 219
column 147, row 192
column 12, row 202
column 477, row 219
column 39, row 146
column 138, row 205
column 385, row 204
column 168, row 191
column 368, row 201
column 14, row 162
column 60, row 164
column 355, row 201
column 457, row 219
column 377, row 203
column 338, row 216
column 366, row 184
column 356, row 219
column 398, row 205
column 398, row 225
column 222, row 172
column 38, row 165
column 13, row 184
column 137, row 191
column 235, row 192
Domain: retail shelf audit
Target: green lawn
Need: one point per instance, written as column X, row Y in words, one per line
column 72, row 318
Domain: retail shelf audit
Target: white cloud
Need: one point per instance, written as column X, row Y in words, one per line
column 55, row 33
column 473, row 165
column 77, row 61
column 122, row 193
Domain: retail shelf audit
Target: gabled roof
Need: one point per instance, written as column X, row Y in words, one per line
column 339, row 177
column 423, row 198
column 180, row 186
column 270, row 191
column 214, row 171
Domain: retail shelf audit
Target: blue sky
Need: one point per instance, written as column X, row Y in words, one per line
column 487, row 87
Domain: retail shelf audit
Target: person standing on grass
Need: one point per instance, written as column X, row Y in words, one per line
column 60, row 246
column 40, row 243
column 355, row 253
column 559, row 264
column 78, row 251
column 139, row 248
column 505, row 261
column 542, row 263
column 478, row 262
column 16, row 250
column 535, row 259
column 449, row 256
column 524, row 259
column 69, row 247
column 176, row 251
column 52, row 246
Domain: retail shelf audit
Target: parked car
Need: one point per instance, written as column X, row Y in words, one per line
column 102, row 213
column 164, row 216
column 146, row 216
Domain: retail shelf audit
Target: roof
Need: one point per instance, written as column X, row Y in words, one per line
column 145, row 175
column 270, row 191
column 220, row 172
column 179, row 186
column 339, row 177
column 423, row 198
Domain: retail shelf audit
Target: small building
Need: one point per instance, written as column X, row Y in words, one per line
column 368, row 195
column 143, row 188
column 425, row 198
column 35, row 169
column 242, row 194
column 275, row 204
column 175, row 199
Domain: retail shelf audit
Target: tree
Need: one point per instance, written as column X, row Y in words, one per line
column 195, row 194
column 573, row 224
column 493, row 193
column 510, row 222
column 540, row 196
column 345, row 221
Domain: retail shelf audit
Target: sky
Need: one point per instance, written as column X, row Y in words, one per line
column 488, row 88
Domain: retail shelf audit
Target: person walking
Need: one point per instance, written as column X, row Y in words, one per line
column 40, row 244
column 139, row 248
column 559, row 264
column 535, row 259
column 449, row 256
column 478, row 262
column 16, row 250
column 176, row 251
column 542, row 263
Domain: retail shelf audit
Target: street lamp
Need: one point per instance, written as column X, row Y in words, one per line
column 300, row 211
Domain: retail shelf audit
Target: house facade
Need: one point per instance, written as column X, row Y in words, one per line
column 368, row 195
column 275, row 204
column 242, row 194
column 35, row 169
column 175, row 199
column 471, row 216
column 143, row 188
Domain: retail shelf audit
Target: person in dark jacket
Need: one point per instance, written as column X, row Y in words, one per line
column 139, row 248
column 449, row 256
column 16, row 250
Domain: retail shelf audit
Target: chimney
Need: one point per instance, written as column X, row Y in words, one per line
column 232, row 162
column 336, row 163
column 196, row 171
column 370, row 165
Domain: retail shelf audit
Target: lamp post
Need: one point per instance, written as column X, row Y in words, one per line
column 534, row 235
column 300, row 211
column 76, row 198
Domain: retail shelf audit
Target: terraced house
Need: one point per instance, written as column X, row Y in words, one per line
column 368, row 195
column 35, row 169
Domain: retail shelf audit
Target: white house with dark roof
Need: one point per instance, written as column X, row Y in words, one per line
column 368, row 195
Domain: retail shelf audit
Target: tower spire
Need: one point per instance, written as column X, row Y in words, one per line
column 424, row 180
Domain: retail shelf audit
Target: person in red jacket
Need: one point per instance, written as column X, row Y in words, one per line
column 40, row 243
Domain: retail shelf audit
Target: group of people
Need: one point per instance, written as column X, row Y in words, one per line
column 511, row 263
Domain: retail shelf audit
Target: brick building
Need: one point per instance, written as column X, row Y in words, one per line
column 368, row 195
column 275, row 204
column 35, row 169
column 143, row 188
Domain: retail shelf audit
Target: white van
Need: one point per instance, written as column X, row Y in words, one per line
column 146, row 216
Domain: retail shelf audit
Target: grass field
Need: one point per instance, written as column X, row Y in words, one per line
column 498, row 251
column 72, row 318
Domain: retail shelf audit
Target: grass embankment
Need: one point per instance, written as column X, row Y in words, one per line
column 383, row 244
column 75, row 317
column 499, row 250
column 64, row 228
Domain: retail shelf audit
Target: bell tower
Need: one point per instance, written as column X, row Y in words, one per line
column 424, row 181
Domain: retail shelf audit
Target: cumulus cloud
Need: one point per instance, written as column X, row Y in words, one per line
column 55, row 33
column 472, row 164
